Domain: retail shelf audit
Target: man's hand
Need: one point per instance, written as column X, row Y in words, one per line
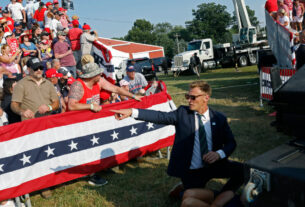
column 1, row 112
column 122, row 113
column 211, row 157
column 27, row 114
column 138, row 98
column 96, row 107
column 43, row 109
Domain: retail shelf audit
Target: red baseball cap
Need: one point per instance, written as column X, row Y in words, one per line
column 51, row 73
column 75, row 22
column 49, row 4
column 62, row 9
column 55, row 2
column 86, row 27
column 104, row 95
column 70, row 81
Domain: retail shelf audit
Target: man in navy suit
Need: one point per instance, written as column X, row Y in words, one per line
column 203, row 142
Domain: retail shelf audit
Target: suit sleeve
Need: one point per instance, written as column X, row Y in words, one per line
column 157, row 117
column 229, row 141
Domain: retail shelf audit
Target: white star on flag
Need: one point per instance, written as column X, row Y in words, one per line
column 25, row 159
column 115, row 135
column 50, row 151
column 94, row 140
column 73, row 145
column 133, row 130
column 150, row 125
column 1, row 168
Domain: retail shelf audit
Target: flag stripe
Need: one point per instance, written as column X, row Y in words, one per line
column 62, row 147
column 82, row 170
column 79, row 157
column 43, row 123
column 68, row 132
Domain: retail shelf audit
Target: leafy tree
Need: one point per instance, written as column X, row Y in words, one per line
column 163, row 28
column 161, row 31
column 253, row 19
column 167, row 43
column 142, row 32
column 210, row 21
column 182, row 33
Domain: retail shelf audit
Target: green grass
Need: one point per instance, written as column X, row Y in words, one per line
column 145, row 182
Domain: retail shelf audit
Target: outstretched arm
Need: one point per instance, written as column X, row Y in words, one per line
column 122, row 113
column 158, row 117
column 104, row 84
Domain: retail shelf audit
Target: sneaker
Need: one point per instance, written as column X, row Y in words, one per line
column 97, row 181
column 176, row 191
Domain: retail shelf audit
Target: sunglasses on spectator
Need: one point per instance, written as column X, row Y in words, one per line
column 192, row 97
column 39, row 68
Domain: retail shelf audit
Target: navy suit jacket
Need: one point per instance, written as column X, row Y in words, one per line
column 184, row 121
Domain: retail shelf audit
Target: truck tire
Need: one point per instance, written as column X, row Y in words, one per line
column 253, row 60
column 243, row 61
column 204, row 67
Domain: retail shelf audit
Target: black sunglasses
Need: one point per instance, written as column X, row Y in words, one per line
column 39, row 68
column 192, row 97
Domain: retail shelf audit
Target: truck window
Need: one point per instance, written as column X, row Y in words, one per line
column 207, row 45
column 194, row 46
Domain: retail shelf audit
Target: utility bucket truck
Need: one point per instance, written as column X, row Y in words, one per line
column 243, row 50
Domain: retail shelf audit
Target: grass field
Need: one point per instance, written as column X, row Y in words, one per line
column 145, row 182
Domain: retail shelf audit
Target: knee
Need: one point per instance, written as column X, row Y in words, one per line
column 187, row 202
column 188, row 194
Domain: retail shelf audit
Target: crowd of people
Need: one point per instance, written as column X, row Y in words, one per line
column 40, row 42
column 290, row 14
column 47, row 67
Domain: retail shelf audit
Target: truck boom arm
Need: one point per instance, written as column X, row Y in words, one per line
column 242, row 16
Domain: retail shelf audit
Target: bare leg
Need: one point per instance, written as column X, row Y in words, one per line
column 199, row 193
column 193, row 202
column 197, row 197
column 222, row 199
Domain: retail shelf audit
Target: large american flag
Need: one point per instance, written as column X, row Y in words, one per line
column 47, row 151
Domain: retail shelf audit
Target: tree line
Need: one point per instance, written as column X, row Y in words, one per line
column 210, row 20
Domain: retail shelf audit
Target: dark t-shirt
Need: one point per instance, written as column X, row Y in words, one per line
column 6, row 106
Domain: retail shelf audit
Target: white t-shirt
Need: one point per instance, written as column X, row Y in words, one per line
column 55, row 25
column 1, row 82
column 284, row 19
column 3, row 119
column 16, row 11
column 47, row 20
column 30, row 9
column 36, row 5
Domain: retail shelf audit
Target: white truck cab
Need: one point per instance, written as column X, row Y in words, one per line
column 204, row 50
